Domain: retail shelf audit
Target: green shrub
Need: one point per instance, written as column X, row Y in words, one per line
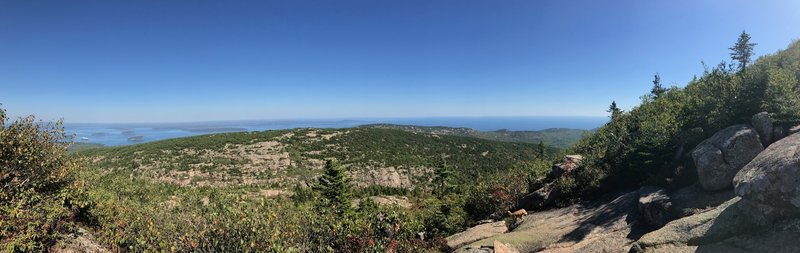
column 650, row 142
column 37, row 201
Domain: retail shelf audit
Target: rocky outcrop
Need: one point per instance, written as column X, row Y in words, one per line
column 779, row 131
column 386, row 200
column 606, row 225
column 657, row 207
column 476, row 233
column 773, row 177
column 654, row 206
column 763, row 125
column 720, row 157
column 736, row 224
column 541, row 198
column 567, row 165
column 384, row 176
column 704, row 217
column 764, row 218
column 693, row 199
column 495, row 247
column 499, row 247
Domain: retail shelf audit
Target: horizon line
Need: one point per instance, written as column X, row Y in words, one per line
column 331, row 119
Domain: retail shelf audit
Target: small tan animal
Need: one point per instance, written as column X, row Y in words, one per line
column 521, row 213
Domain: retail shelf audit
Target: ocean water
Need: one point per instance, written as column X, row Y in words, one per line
column 126, row 134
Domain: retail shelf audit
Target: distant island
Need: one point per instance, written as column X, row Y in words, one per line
column 137, row 138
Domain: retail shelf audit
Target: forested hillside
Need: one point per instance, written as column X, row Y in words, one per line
column 285, row 157
column 552, row 137
column 444, row 183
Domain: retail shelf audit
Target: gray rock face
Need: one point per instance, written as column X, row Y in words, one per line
column 693, row 199
column 720, row 157
column 778, row 132
column 738, row 225
column 763, row 125
column 567, row 165
column 654, row 206
column 476, row 233
column 793, row 130
column 605, row 225
column 773, row 177
column 542, row 197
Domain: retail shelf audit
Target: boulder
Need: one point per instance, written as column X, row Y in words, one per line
column 793, row 130
column 763, row 125
column 773, row 177
column 543, row 197
column 500, row 247
column 567, row 165
column 720, row 157
column 781, row 130
column 693, row 199
column 476, row 233
column 654, row 206
column 723, row 226
column 778, row 133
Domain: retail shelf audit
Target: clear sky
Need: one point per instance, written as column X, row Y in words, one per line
column 158, row 61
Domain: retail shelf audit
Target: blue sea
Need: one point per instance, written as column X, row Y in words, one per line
column 126, row 134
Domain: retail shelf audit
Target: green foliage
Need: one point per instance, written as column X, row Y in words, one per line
column 37, row 202
column 658, row 88
column 651, row 142
column 335, row 189
column 442, row 180
column 553, row 138
column 495, row 194
column 742, row 50
column 358, row 149
column 781, row 95
column 443, row 216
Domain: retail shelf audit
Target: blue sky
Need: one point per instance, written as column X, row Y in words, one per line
column 165, row 61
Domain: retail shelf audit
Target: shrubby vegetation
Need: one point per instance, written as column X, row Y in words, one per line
column 129, row 211
column 39, row 197
column 554, row 138
column 650, row 143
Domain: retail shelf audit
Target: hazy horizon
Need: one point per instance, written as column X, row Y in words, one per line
column 326, row 119
column 112, row 134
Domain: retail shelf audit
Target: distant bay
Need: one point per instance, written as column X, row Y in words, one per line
column 115, row 134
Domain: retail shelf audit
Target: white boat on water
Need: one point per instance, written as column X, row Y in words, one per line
column 85, row 139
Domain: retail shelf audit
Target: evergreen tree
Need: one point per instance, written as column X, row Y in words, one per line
column 614, row 110
column 742, row 50
column 441, row 179
column 334, row 186
column 657, row 89
column 541, row 150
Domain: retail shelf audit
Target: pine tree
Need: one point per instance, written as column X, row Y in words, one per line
column 742, row 50
column 334, row 186
column 614, row 110
column 441, row 179
column 541, row 150
column 657, row 89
